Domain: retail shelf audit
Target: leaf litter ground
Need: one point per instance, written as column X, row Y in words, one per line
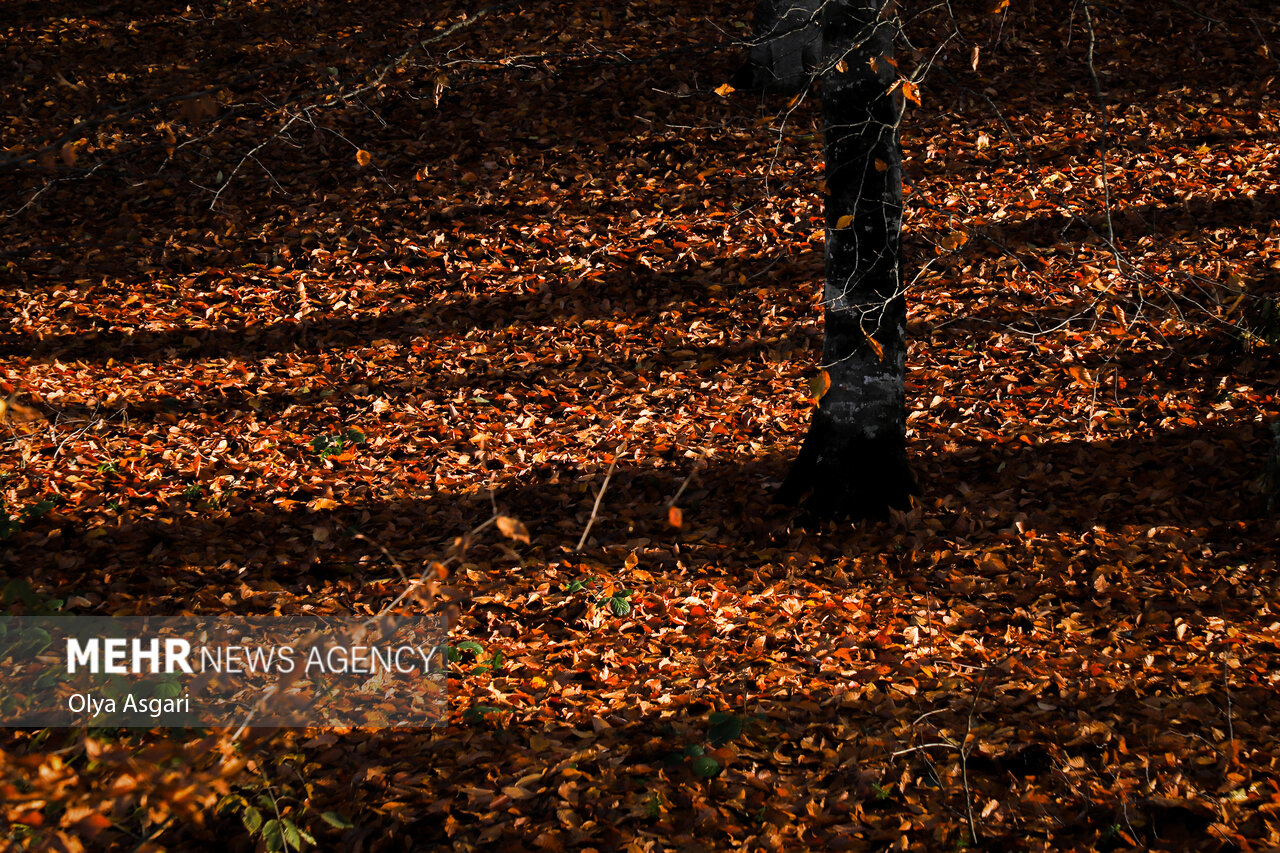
column 285, row 290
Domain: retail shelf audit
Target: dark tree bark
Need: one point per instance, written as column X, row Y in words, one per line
column 787, row 48
column 853, row 462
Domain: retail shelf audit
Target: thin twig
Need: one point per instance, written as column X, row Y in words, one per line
column 697, row 464
column 1102, row 138
column 395, row 564
column 422, row 578
column 964, row 760
column 1009, row 132
column 1266, row 48
column 948, row 744
column 410, row 586
column 595, row 509
column 1226, row 686
column 126, row 111
column 164, row 824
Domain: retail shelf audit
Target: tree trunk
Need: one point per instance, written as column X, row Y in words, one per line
column 853, row 461
column 787, row 48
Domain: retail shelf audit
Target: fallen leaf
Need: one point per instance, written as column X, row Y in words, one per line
column 512, row 529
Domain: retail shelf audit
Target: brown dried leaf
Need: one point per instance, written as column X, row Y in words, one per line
column 512, row 528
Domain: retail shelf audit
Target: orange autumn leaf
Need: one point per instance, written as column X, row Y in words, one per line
column 911, row 92
column 819, row 385
column 512, row 528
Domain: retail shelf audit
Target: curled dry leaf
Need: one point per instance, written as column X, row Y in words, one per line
column 819, row 385
column 512, row 528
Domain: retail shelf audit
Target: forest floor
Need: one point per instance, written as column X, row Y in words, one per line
column 295, row 288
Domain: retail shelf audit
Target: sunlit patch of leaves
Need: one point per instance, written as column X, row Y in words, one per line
column 502, row 315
